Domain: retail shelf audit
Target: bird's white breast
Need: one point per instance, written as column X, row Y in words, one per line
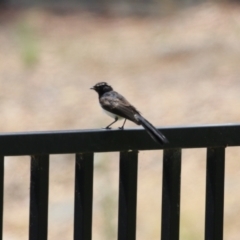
column 112, row 114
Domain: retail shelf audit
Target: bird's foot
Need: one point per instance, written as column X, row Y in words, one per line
column 107, row 128
column 121, row 128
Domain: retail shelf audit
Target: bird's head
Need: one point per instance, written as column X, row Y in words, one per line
column 102, row 88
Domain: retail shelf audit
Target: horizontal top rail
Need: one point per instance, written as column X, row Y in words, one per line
column 101, row 140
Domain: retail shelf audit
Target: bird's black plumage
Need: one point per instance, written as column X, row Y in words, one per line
column 118, row 107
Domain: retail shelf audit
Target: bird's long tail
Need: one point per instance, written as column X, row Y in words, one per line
column 152, row 131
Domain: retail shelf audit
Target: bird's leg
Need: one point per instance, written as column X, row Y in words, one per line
column 123, row 124
column 108, row 127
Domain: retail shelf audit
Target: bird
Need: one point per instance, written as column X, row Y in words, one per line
column 117, row 107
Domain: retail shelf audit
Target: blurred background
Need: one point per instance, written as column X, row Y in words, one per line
column 182, row 57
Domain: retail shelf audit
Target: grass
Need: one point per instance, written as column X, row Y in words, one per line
column 28, row 44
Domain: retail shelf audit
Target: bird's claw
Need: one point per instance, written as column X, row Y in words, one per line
column 107, row 128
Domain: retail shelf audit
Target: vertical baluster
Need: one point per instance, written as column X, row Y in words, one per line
column 214, row 193
column 83, row 196
column 1, row 194
column 39, row 182
column 171, row 194
column 127, row 196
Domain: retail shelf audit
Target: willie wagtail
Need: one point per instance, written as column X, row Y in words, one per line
column 117, row 107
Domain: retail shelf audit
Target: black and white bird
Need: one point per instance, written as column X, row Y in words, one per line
column 117, row 107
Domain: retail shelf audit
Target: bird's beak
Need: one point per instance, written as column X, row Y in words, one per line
column 92, row 88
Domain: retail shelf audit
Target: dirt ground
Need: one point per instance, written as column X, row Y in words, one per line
column 185, row 64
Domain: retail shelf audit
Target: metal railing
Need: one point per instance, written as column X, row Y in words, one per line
column 39, row 145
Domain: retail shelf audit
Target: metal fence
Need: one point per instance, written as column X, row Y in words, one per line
column 39, row 145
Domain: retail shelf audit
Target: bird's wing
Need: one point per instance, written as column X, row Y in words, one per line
column 117, row 104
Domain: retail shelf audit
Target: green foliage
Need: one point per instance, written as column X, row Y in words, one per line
column 191, row 229
column 28, row 43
